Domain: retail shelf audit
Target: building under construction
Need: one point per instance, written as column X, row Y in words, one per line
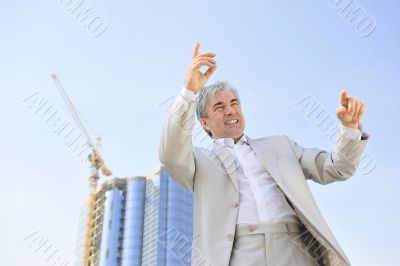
column 137, row 221
column 141, row 220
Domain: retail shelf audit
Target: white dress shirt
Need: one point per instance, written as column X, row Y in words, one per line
column 260, row 198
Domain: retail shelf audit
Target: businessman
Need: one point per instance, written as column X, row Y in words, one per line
column 252, row 203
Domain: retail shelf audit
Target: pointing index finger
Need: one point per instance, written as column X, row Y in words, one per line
column 343, row 97
column 196, row 50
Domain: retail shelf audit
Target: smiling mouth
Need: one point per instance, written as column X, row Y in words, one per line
column 231, row 122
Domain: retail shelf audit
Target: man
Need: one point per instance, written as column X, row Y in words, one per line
column 252, row 204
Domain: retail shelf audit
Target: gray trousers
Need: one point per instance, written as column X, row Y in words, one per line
column 272, row 245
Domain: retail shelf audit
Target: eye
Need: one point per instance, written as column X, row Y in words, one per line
column 218, row 108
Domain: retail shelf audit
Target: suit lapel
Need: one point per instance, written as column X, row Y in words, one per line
column 265, row 152
column 226, row 161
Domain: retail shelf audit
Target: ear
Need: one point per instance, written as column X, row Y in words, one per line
column 204, row 123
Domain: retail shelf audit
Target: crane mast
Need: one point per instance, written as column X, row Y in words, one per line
column 96, row 164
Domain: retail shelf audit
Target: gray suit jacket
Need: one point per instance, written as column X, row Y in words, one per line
column 216, row 193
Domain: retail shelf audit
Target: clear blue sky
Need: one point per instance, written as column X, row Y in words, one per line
column 274, row 52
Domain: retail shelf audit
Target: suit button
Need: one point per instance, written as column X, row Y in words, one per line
column 230, row 237
column 252, row 228
column 235, row 204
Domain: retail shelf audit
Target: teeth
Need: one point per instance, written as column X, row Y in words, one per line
column 231, row 122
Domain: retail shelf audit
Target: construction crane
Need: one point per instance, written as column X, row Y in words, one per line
column 96, row 164
column 96, row 161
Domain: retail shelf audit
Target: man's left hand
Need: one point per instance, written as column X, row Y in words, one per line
column 350, row 110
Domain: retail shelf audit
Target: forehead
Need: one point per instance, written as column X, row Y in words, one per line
column 224, row 96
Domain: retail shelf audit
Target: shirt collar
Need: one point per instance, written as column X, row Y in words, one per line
column 230, row 142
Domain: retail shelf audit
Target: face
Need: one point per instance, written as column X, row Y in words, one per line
column 225, row 118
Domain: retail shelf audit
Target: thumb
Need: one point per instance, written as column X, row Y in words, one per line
column 340, row 111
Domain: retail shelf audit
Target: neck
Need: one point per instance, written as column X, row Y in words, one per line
column 235, row 140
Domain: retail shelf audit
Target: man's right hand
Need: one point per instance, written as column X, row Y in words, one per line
column 195, row 79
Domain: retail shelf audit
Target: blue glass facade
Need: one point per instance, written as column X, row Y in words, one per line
column 134, row 219
column 111, row 233
column 151, row 218
column 175, row 223
column 142, row 221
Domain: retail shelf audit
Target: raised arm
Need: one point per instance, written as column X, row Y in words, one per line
column 326, row 167
column 176, row 149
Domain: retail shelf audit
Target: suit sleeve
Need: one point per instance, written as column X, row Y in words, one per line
column 176, row 148
column 326, row 167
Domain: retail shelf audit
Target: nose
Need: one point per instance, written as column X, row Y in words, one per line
column 229, row 110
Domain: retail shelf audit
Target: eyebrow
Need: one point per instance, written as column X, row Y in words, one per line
column 221, row 103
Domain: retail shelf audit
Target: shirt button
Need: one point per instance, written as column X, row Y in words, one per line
column 230, row 237
column 235, row 204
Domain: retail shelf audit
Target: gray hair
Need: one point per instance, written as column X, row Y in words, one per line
column 204, row 95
